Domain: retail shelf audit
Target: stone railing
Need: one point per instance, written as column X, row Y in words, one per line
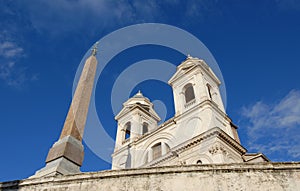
column 190, row 103
column 126, row 141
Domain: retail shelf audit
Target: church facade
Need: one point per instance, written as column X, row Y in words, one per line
column 200, row 132
column 198, row 148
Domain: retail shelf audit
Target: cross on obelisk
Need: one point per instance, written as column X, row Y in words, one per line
column 66, row 155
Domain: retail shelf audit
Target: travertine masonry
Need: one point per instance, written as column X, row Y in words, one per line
column 224, row 177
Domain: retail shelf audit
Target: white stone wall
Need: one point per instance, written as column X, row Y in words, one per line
column 193, row 118
column 179, row 131
column 242, row 177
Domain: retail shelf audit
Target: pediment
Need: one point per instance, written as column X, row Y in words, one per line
column 144, row 108
column 177, row 75
column 182, row 69
column 122, row 112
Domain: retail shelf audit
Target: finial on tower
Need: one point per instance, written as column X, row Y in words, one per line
column 189, row 56
column 95, row 49
column 138, row 95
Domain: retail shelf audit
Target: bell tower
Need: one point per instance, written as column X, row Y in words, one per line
column 197, row 94
column 136, row 119
column 194, row 82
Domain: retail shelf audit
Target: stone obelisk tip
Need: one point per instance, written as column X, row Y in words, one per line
column 95, row 49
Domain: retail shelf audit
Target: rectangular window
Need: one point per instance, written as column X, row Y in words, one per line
column 156, row 151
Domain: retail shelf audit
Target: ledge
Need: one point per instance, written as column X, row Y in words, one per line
column 208, row 169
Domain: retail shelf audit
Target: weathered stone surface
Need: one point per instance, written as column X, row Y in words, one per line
column 60, row 166
column 222, row 177
column 69, row 148
column 76, row 118
column 67, row 153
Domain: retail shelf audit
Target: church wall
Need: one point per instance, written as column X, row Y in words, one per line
column 208, row 151
column 185, row 128
column 243, row 176
column 198, row 107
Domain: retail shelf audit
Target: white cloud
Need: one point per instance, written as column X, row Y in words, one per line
column 10, row 49
column 12, row 72
column 62, row 16
column 275, row 128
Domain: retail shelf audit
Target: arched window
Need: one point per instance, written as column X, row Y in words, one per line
column 145, row 128
column 127, row 130
column 156, row 150
column 199, row 162
column 209, row 91
column 189, row 93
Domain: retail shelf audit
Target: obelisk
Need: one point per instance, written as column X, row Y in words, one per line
column 66, row 155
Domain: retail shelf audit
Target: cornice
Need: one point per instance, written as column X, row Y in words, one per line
column 214, row 132
column 148, row 171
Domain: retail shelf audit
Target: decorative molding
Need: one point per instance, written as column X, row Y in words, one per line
column 189, row 104
column 217, row 149
column 126, row 141
column 214, row 132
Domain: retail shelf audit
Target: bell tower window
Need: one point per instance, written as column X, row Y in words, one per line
column 209, row 91
column 127, row 130
column 189, row 93
column 145, row 128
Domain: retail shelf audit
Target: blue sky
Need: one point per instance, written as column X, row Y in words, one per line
column 256, row 44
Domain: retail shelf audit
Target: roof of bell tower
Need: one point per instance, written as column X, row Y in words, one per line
column 138, row 101
column 139, row 95
column 189, row 64
column 138, row 98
